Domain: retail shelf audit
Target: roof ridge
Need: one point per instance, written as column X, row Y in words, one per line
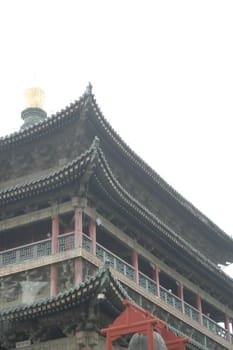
column 41, row 128
column 70, row 168
column 149, row 216
column 153, row 174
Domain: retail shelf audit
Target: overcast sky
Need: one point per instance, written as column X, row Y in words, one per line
column 162, row 73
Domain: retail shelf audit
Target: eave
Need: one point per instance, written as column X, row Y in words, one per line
column 93, row 163
column 58, row 120
column 109, row 133
column 112, row 189
column 88, row 102
column 53, row 180
column 88, row 290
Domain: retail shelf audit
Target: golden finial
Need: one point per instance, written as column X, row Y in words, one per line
column 34, row 97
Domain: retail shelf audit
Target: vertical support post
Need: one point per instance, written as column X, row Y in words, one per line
column 155, row 276
column 55, row 232
column 92, row 235
column 134, row 256
column 199, row 308
column 150, row 338
column 54, row 248
column 78, row 237
column 108, row 342
column 181, row 296
column 78, row 227
column 227, row 326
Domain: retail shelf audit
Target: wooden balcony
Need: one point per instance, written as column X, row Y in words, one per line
column 66, row 242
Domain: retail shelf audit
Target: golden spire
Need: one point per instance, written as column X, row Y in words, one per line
column 33, row 112
column 34, row 97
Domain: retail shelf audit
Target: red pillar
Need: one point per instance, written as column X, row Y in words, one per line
column 155, row 276
column 199, row 307
column 181, row 296
column 53, row 268
column 150, row 337
column 78, row 236
column 135, row 265
column 78, row 227
column 227, row 326
column 92, row 235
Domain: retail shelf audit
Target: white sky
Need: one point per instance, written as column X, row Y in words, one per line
column 162, row 73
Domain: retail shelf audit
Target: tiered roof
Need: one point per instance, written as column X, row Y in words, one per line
column 71, row 113
column 93, row 162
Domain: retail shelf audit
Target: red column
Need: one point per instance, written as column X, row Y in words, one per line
column 155, row 276
column 78, row 227
column 199, row 307
column 53, row 268
column 135, row 265
column 227, row 326
column 55, row 233
column 181, row 296
column 92, row 235
column 78, row 236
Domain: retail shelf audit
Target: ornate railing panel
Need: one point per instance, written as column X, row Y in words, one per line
column 87, row 243
column 214, row 327
column 65, row 242
column 191, row 312
column 27, row 252
column 170, row 299
column 147, row 283
column 115, row 262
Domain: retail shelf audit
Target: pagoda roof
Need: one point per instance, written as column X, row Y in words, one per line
column 102, row 282
column 92, row 166
column 72, row 112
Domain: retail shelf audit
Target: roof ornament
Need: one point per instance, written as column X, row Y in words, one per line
column 105, row 266
column 33, row 113
column 88, row 97
column 89, row 89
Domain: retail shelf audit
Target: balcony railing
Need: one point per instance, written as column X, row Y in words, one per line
column 117, row 263
column 66, row 242
column 170, row 299
column 28, row 252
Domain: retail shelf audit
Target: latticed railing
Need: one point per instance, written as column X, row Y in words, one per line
column 87, row 243
column 118, row 264
column 214, row 327
column 67, row 242
column 147, row 283
column 27, row 252
column 191, row 312
column 170, row 299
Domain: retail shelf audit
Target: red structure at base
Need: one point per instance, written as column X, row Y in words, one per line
column 136, row 320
